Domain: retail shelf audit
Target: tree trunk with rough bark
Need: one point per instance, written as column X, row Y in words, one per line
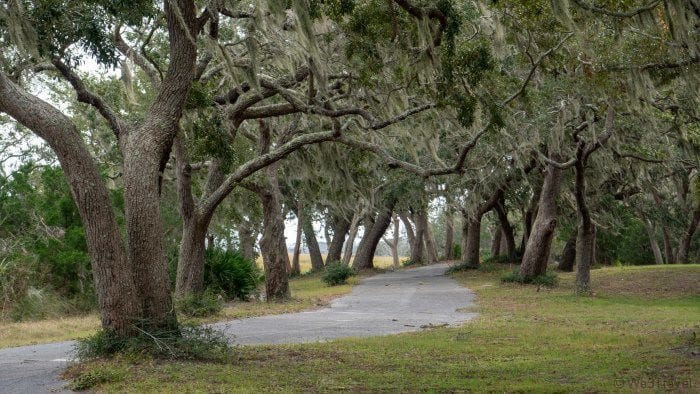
column 496, row 241
column 508, row 233
column 312, row 243
column 530, row 214
column 365, row 252
column 653, row 242
column 568, row 255
column 586, row 233
column 684, row 244
column 296, row 268
column 539, row 243
column 246, row 240
column 190, row 266
column 191, row 258
column 395, row 242
column 430, row 248
column 470, row 254
column 417, row 246
column 410, row 234
column 449, row 234
column 272, row 245
column 340, row 226
column 352, row 234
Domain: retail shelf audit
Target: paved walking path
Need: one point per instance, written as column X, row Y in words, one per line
column 405, row 300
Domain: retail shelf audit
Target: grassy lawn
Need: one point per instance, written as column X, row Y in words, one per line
column 308, row 292
column 637, row 333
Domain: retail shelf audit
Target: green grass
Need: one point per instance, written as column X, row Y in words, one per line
column 308, row 292
column 637, row 331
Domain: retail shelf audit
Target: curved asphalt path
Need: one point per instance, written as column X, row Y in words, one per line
column 401, row 301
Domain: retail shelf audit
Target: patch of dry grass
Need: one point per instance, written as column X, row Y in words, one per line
column 43, row 331
column 308, row 292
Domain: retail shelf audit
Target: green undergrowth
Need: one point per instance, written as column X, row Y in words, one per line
column 183, row 343
column 336, row 273
column 637, row 331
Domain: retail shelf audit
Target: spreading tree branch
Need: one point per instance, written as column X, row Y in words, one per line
column 86, row 96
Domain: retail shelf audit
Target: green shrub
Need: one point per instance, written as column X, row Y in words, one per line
column 181, row 343
column 457, row 251
column 232, row 273
column 411, row 263
column 547, row 279
column 200, row 305
column 461, row 267
column 336, row 273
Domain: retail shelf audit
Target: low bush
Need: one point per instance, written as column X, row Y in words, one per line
column 411, row 263
column 547, row 279
column 461, row 267
column 180, row 343
column 457, row 251
column 206, row 304
column 336, row 273
column 232, row 273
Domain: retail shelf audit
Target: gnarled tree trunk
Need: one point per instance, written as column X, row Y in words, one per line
column 508, row 234
column 496, row 241
column 394, row 244
column 312, row 243
column 352, row 234
column 365, row 251
column 449, row 234
column 246, row 240
column 340, row 226
column 539, row 242
column 684, row 245
column 649, row 227
column 568, row 255
column 417, row 246
column 430, row 248
column 272, row 245
column 470, row 253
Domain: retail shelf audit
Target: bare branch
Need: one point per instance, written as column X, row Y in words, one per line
column 151, row 72
column 556, row 164
column 603, row 138
column 86, row 96
column 262, row 161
